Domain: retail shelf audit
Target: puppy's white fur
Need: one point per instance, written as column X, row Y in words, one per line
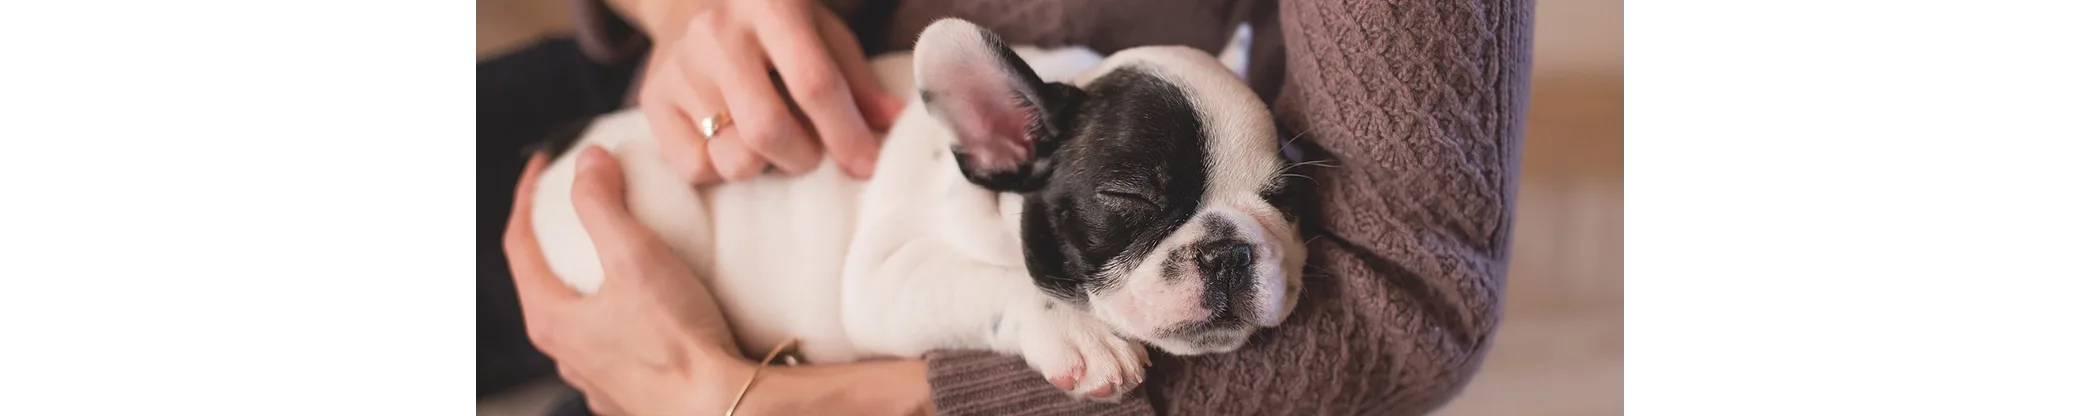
column 913, row 260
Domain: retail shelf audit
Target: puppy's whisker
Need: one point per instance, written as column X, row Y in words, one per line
column 1285, row 170
column 1309, row 178
column 1311, row 271
column 1316, row 163
column 1294, row 138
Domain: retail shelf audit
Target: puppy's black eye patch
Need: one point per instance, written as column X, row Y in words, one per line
column 1130, row 197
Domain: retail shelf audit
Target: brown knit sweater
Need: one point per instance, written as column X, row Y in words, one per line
column 1418, row 105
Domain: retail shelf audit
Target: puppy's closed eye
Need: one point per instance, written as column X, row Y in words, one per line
column 1129, row 197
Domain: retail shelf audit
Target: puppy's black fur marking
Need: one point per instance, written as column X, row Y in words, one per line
column 1113, row 169
column 1177, row 262
column 1215, row 228
column 1132, row 173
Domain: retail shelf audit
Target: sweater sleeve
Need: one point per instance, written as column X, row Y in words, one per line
column 1418, row 106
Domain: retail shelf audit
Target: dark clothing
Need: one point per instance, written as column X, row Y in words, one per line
column 521, row 97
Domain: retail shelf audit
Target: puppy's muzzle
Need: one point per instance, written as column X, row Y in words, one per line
column 1227, row 269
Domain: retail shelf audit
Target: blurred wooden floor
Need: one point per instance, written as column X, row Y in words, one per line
column 1560, row 349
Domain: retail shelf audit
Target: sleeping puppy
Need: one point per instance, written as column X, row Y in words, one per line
column 1138, row 201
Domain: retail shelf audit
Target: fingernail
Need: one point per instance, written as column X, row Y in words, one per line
column 866, row 163
column 590, row 158
column 896, row 106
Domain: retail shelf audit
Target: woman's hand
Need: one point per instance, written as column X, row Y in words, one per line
column 713, row 57
column 652, row 341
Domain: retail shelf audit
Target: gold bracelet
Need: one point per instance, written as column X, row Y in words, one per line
column 789, row 360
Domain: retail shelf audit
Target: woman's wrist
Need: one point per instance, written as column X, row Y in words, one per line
column 662, row 20
column 896, row 387
column 713, row 380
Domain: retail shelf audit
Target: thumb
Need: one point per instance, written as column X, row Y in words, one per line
column 600, row 197
column 537, row 284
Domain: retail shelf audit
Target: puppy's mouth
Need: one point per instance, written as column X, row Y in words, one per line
column 1228, row 307
column 1216, row 335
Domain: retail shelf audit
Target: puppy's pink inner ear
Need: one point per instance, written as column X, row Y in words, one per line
column 998, row 136
column 1004, row 146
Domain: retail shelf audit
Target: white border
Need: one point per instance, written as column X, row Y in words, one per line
column 237, row 207
column 264, row 207
column 1852, row 208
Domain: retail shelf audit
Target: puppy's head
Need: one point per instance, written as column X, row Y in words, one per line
column 1154, row 185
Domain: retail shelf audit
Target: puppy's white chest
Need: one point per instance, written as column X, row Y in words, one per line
column 779, row 247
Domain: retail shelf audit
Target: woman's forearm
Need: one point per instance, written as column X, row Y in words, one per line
column 896, row 387
column 661, row 19
column 650, row 16
column 626, row 8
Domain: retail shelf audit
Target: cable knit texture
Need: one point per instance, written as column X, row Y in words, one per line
column 1417, row 104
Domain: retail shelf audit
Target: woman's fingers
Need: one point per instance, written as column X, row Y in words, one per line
column 667, row 106
column 721, row 70
column 877, row 106
column 593, row 397
column 732, row 159
column 761, row 120
column 788, row 31
column 600, row 196
column 536, row 282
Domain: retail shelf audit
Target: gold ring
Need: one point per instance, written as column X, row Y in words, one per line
column 714, row 124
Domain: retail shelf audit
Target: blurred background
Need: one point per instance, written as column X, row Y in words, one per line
column 1559, row 350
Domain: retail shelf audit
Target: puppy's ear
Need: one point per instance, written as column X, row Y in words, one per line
column 1007, row 121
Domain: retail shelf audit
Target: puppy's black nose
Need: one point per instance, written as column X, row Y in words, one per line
column 1225, row 255
column 1227, row 267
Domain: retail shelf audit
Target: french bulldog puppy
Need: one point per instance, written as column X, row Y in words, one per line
column 1050, row 203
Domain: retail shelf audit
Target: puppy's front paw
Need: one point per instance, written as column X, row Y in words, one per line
column 1083, row 357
